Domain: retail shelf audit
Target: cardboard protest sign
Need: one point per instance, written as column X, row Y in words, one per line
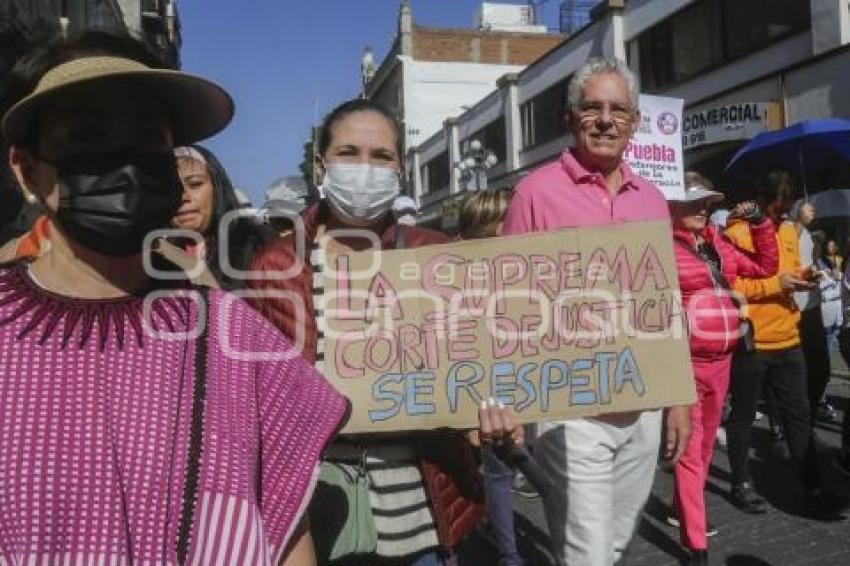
column 569, row 323
column 655, row 151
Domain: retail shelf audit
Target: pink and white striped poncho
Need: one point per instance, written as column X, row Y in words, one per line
column 94, row 431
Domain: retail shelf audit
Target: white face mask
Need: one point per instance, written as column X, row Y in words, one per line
column 358, row 193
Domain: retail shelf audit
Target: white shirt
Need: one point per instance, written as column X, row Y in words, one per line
column 806, row 299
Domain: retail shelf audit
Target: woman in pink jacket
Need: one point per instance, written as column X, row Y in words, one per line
column 708, row 264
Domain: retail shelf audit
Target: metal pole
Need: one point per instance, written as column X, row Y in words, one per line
column 802, row 170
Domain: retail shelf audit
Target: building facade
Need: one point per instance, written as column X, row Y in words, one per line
column 430, row 74
column 741, row 66
column 26, row 23
column 155, row 22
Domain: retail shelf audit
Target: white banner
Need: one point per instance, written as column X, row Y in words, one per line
column 655, row 151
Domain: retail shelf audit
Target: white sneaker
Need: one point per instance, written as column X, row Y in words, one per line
column 710, row 529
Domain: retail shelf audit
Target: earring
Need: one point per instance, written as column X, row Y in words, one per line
column 29, row 197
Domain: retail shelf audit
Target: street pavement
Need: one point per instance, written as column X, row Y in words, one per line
column 781, row 537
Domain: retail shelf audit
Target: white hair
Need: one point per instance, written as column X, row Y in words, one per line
column 599, row 66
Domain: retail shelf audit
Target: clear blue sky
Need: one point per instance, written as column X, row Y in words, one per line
column 276, row 57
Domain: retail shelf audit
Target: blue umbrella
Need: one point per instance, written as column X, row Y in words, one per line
column 804, row 148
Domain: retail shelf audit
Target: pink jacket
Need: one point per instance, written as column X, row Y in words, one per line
column 713, row 318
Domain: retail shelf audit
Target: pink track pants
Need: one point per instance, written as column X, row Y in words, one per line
column 691, row 471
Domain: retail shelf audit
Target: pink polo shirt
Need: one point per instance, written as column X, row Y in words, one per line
column 564, row 194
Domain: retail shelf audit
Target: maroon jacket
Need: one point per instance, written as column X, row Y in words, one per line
column 713, row 318
column 283, row 256
column 446, row 458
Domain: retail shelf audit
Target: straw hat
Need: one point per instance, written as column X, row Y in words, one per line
column 198, row 108
column 698, row 193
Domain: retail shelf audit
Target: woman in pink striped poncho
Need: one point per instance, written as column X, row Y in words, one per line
column 140, row 424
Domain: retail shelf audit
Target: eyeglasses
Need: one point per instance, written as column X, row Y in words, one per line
column 590, row 110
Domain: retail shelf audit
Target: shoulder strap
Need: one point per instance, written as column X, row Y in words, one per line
column 716, row 274
column 193, row 460
column 400, row 237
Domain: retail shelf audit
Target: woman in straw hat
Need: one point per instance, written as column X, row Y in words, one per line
column 140, row 424
column 708, row 264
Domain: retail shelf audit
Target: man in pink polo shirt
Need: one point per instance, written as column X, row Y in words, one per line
column 603, row 467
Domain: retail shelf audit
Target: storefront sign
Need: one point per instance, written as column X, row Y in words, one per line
column 575, row 322
column 731, row 122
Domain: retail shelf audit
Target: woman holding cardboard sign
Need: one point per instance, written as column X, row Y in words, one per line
column 708, row 265
column 400, row 503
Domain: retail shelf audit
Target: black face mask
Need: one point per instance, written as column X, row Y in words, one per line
column 109, row 202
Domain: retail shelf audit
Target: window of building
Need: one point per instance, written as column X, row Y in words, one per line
column 151, row 6
column 543, row 116
column 712, row 32
column 753, row 24
column 436, row 174
column 103, row 15
column 492, row 136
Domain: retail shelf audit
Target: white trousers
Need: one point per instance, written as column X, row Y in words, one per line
column 603, row 469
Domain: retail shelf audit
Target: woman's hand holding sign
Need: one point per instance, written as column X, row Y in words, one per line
column 500, row 433
column 496, row 425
